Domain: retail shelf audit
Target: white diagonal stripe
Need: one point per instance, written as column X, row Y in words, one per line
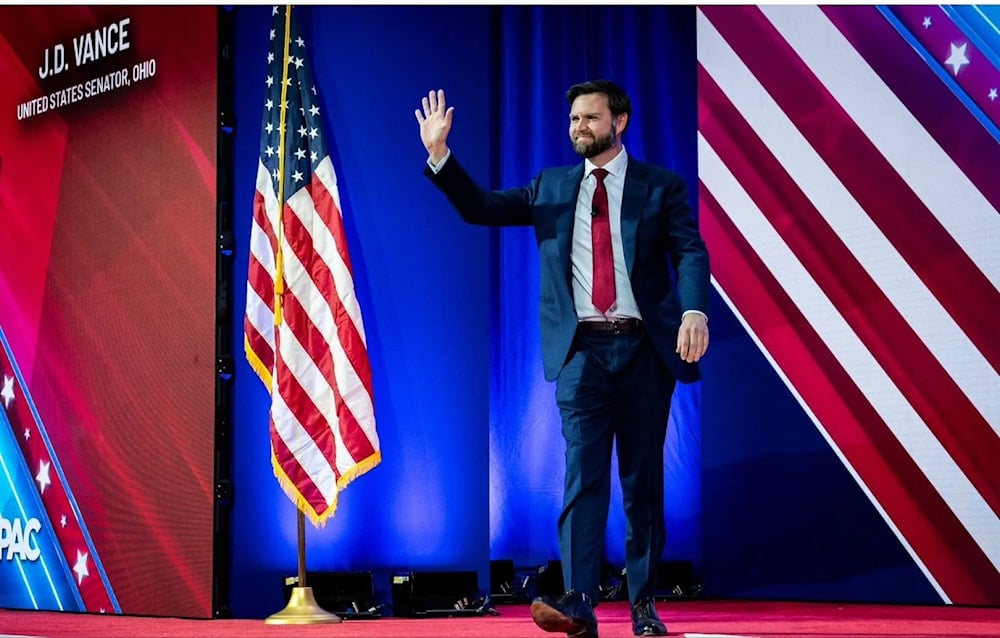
column 946, row 191
column 886, row 399
column 906, row 292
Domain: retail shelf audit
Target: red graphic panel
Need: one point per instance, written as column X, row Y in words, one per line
column 108, row 121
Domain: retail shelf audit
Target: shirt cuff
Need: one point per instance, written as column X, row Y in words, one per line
column 694, row 312
column 437, row 167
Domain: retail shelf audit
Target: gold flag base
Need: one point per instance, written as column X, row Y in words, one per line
column 302, row 610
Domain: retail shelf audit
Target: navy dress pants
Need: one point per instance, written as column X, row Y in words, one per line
column 613, row 390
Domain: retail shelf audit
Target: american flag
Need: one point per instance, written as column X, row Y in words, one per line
column 303, row 330
column 850, row 195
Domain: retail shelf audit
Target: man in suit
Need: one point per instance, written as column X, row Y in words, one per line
column 624, row 296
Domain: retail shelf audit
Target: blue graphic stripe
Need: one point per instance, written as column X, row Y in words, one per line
column 935, row 66
column 62, row 477
column 980, row 28
column 24, row 516
column 10, row 444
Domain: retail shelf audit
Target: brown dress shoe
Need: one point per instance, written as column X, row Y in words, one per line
column 572, row 614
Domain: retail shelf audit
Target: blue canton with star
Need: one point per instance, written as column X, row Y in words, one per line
column 304, row 145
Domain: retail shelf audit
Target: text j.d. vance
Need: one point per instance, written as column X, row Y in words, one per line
column 88, row 47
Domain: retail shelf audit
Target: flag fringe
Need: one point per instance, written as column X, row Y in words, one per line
column 361, row 467
column 319, row 520
column 258, row 366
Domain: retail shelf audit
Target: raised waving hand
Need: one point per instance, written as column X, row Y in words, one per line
column 435, row 124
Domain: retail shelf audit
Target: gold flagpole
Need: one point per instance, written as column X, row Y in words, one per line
column 302, row 608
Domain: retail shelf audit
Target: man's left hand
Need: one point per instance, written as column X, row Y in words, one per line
column 692, row 338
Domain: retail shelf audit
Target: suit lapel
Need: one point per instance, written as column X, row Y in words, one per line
column 569, row 191
column 633, row 202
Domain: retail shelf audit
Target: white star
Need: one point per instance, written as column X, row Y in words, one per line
column 81, row 567
column 314, row 110
column 299, row 41
column 62, row 521
column 957, row 58
column 297, row 176
column 927, row 22
column 300, row 153
column 269, row 81
column 27, row 434
column 992, row 95
column 43, row 476
column 8, row 390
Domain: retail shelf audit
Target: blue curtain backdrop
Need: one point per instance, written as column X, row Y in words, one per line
column 472, row 456
column 650, row 51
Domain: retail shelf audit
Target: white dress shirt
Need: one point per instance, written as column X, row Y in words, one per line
column 581, row 252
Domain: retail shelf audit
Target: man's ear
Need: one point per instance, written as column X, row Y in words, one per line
column 622, row 122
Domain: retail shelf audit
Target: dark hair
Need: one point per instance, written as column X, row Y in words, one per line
column 618, row 100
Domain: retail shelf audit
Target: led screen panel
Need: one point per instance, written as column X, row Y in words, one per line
column 107, row 312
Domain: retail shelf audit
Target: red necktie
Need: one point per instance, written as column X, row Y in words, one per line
column 603, row 294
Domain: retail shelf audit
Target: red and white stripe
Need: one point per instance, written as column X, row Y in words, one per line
column 315, row 361
column 863, row 260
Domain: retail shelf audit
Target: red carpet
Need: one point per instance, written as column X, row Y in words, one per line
column 692, row 619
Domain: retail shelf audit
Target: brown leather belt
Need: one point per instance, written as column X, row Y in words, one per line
column 616, row 326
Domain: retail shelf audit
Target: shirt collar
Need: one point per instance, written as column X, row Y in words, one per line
column 615, row 167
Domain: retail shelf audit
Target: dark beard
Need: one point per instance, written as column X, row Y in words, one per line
column 598, row 146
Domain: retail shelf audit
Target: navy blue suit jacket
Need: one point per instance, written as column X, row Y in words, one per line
column 664, row 252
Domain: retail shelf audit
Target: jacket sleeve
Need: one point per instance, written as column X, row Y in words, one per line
column 511, row 207
column 687, row 250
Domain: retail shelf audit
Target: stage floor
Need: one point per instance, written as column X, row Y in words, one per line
column 691, row 619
